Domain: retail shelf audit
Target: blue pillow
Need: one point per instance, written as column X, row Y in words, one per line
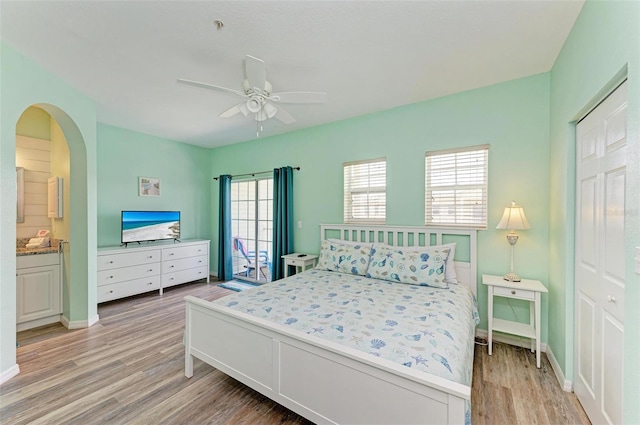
column 424, row 267
column 346, row 257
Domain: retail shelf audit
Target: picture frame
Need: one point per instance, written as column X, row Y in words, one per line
column 148, row 186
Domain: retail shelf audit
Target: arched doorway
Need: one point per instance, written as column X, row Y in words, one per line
column 69, row 161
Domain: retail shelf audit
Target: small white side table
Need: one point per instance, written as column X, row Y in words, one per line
column 529, row 290
column 300, row 261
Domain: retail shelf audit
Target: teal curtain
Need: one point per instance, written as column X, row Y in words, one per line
column 225, row 259
column 282, row 219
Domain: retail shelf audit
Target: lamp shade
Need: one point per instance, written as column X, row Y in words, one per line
column 513, row 218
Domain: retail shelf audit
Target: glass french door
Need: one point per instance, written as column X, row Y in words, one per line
column 252, row 225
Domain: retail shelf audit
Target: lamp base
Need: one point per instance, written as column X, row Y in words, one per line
column 511, row 277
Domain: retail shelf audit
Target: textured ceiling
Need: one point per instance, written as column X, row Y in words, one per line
column 367, row 56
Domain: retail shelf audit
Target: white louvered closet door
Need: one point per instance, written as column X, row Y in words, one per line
column 599, row 264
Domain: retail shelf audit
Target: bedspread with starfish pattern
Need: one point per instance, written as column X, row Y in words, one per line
column 420, row 327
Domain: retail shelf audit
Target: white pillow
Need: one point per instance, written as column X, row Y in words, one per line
column 450, row 266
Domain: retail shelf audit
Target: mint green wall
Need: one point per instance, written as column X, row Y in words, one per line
column 34, row 122
column 512, row 117
column 605, row 39
column 183, row 171
column 23, row 84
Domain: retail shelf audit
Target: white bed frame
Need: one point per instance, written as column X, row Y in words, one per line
column 323, row 381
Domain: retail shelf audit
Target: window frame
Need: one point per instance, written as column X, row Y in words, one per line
column 456, row 164
column 368, row 189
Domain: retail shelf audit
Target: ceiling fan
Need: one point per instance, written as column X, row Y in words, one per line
column 258, row 99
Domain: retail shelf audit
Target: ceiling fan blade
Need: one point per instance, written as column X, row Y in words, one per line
column 211, row 87
column 284, row 116
column 256, row 73
column 231, row 111
column 299, row 97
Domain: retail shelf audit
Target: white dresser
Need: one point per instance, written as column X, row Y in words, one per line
column 123, row 272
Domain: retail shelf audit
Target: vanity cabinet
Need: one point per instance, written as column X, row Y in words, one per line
column 38, row 290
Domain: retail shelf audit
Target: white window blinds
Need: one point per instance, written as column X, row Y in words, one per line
column 365, row 191
column 456, row 184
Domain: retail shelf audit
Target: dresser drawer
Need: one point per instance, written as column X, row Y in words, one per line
column 184, row 263
column 106, row 277
column 184, row 252
column 522, row 294
column 184, row 276
column 130, row 287
column 126, row 259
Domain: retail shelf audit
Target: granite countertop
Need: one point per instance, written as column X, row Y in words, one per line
column 22, row 250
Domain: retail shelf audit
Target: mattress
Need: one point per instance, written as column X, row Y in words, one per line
column 419, row 327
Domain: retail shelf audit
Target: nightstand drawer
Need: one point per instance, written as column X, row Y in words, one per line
column 522, row 294
column 300, row 262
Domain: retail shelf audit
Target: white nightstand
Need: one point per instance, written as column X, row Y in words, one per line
column 528, row 290
column 300, row 261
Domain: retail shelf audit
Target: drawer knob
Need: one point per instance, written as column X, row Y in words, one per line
column 150, row 270
column 111, row 291
column 150, row 283
column 111, row 262
column 171, row 267
column 151, row 256
column 513, row 292
column 171, row 253
column 110, row 277
column 611, row 299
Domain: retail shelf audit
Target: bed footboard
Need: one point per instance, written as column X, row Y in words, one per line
column 322, row 381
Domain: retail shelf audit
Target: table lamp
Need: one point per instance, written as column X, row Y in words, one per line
column 513, row 219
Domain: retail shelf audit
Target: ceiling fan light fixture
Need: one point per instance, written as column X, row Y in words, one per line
column 270, row 110
column 254, row 105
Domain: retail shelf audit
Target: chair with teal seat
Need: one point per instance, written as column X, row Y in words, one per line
column 250, row 256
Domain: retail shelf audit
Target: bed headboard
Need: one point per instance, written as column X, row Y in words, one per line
column 466, row 259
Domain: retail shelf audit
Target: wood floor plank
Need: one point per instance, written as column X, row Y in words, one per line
column 129, row 369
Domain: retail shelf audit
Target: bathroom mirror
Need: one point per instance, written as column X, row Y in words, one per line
column 20, row 192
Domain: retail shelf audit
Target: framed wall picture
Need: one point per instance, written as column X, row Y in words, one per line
column 148, row 186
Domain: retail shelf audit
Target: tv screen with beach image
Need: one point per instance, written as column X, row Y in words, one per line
column 138, row 226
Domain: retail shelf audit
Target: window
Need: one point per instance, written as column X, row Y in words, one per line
column 365, row 191
column 456, row 187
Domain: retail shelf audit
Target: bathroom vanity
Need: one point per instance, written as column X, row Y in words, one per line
column 38, row 288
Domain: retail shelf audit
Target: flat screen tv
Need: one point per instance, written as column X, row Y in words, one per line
column 144, row 226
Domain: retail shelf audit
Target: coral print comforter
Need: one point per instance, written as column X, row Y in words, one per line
column 419, row 327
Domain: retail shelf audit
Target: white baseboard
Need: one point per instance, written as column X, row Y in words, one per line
column 509, row 339
column 9, row 373
column 79, row 324
column 565, row 384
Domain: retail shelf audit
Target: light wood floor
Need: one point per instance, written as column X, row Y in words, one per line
column 128, row 368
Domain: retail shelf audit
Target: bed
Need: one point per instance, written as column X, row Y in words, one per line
column 336, row 356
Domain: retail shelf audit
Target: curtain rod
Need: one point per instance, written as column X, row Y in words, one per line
column 257, row 172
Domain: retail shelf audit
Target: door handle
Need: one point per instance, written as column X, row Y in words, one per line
column 611, row 299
